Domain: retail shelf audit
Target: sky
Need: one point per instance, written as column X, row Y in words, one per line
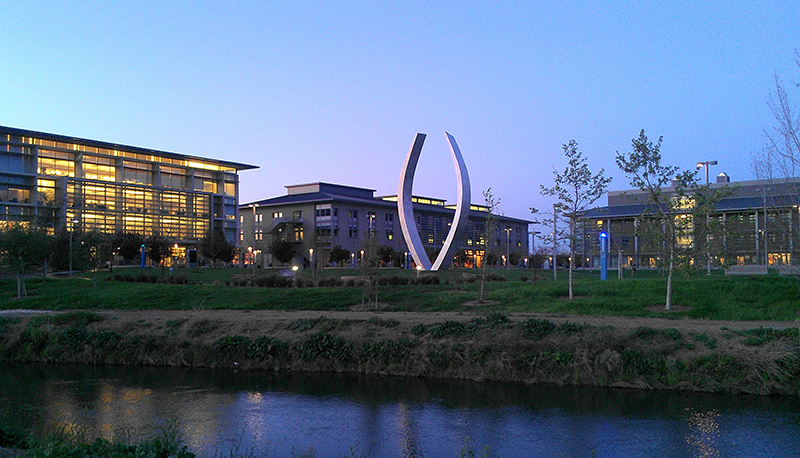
column 336, row 91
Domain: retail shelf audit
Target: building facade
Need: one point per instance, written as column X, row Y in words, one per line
column 321, row 216
column 754, row 222
column 58, row 182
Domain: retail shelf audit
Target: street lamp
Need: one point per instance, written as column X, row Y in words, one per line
column 311, row 260
column 706, row 164
column 508, row 243
column 71, row 230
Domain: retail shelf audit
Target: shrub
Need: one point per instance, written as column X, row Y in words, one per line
column 710, row 342
column 449, row 329
column 236, row 347
column 536, row 328
column 497, row 320
column 325, row 346
column 264, row 348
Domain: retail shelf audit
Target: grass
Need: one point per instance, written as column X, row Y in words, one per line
column 715, row 297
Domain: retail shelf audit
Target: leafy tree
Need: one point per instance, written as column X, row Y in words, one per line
column 339, row 255
column 88, row 248
column 215, row 246
column 282, row 250
column 158, row 248
column 575, row 189
column 387, row 255
column 492, row 205
column 22, row 249
column 128, row 244
column 673, row 227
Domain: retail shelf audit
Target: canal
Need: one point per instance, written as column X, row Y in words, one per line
column 249, row 413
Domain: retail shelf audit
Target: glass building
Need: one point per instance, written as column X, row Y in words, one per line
column 58, row 182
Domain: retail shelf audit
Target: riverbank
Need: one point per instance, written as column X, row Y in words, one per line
column 649, row 353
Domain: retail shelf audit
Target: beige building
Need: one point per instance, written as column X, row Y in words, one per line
column 321, row 216
column 757, row 222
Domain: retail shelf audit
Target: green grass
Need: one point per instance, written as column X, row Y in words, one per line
column 715, row 297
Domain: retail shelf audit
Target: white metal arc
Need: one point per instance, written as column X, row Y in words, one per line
column 406, row 211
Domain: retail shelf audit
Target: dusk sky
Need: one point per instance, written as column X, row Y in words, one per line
column 336, row 91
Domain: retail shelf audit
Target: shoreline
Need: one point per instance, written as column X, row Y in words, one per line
column 631, row 352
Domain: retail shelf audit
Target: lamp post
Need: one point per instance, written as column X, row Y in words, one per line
column 706, row 164
column 508, row 242
column 71, row 230
column 311, row 260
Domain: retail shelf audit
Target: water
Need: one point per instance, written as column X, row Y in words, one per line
column 219, row 412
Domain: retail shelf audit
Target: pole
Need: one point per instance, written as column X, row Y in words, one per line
column 555, row 239
column 603, row 256
column 70, row 250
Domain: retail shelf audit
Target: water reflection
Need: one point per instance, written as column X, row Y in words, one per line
column 704, row 433
column 219, row 412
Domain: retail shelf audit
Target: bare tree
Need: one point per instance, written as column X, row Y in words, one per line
column 554, row 222
column 779, row 159
column 575, row 190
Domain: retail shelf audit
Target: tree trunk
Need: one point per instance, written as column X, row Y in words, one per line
column 571, row 252
column 669, row 278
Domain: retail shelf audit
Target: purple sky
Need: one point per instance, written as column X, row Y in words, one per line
column 335, row 92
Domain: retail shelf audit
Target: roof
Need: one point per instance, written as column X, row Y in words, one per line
column 117, row 146
column 727, row 204
column 324, row 197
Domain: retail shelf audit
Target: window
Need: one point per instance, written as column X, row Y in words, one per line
column 276, row 215
column 241, row 219
column 297, row 215
column 259, row 217
column 259, row 234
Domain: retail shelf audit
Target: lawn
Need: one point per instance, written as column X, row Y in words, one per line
column 716, row 297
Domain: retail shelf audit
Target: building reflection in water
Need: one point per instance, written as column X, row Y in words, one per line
column 704, row 433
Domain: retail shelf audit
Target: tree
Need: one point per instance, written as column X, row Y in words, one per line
column 339, row 255
column 673, row 228
column 387, row 255
column 282, row 250
column 158, row 248
column 554, row 220
column 575, row 190
column 215, row 247
column 128, row 244
column 492, row 205
column 368, row 265
column 780, row 157
column 22, row 249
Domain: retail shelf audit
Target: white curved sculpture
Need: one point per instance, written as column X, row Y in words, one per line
column 406, row 210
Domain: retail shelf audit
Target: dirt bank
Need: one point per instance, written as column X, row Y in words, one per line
column 658, row 353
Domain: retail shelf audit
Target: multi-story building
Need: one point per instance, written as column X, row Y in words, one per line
column 321, row 216
column 57, row 182
column 755, row 222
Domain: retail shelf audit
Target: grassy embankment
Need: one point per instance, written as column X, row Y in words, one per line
column 489, row 346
